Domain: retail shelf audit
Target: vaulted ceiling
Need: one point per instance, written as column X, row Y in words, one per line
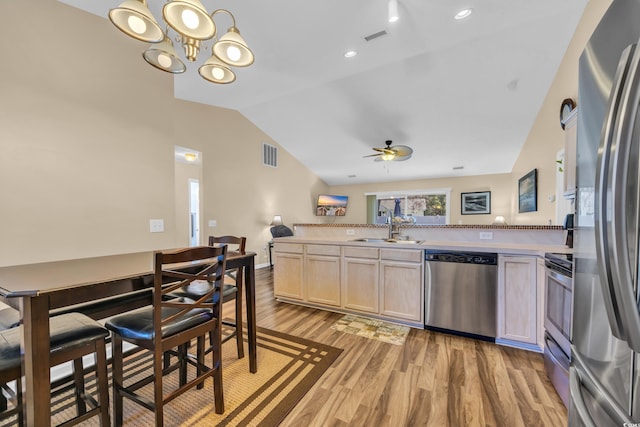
column 459, row 92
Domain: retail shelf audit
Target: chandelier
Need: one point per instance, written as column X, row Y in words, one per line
column 193, row 24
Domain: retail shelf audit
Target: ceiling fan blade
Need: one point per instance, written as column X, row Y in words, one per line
column 374, row 155
column 402, row 150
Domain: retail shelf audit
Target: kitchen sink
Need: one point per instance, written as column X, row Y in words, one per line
column 379, row 240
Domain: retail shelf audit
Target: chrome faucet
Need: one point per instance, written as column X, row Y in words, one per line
column 390, row 220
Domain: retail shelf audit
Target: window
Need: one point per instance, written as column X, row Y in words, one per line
column 430, row 207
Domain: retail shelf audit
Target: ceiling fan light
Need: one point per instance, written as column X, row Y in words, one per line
column 233, row 50
column 189, row 18
column 216, row 71
column 134, row 18
column 392, row 11
column 163, row 56
column 388, row 156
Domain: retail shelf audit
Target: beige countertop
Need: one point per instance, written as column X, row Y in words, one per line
column 501, row 248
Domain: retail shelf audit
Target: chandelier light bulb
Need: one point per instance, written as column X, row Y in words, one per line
column 217, row 73
column 164, row 60
column 190, row 19
column 136, row 24
column 233, row 53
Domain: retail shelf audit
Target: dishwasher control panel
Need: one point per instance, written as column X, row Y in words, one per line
column 462, row 257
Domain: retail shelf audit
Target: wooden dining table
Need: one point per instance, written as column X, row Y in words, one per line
column 38, row 288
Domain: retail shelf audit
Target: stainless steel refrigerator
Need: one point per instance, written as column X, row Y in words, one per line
column 605, row 366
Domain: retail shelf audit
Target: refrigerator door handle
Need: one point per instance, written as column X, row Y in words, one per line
column 623, row 282
column 577, row 399
column 580, row 378
column 602, row 186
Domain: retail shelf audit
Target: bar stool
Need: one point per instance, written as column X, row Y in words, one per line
column 72, row 336
column 170, row 324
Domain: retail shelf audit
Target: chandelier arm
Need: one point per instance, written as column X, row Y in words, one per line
column 225, row 11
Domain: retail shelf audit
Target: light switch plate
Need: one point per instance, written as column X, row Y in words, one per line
column 156, row 225
column 213, row 223
column 350, row 232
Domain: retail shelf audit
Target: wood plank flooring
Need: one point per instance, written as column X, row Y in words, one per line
column 433, row 380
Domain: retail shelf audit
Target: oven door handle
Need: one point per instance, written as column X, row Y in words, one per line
column 603, row 204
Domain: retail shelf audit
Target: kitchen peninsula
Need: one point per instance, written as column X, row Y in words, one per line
column 355, row 268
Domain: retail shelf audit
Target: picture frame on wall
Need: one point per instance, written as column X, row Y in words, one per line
column 475, row 203
column 528, row 192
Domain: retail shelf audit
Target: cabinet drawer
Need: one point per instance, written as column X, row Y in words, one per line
column 291, row 248
column 358, row 252
column 332, row 250
column 409, row 255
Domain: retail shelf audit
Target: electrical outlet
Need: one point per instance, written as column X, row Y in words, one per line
column 156, row 225
column 351, row 232
column 486, row 235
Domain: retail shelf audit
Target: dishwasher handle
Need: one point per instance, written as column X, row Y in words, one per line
column 484, row 258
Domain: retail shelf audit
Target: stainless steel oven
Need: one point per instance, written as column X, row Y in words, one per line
column 557, row 320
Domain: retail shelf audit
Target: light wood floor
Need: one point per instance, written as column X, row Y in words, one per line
column 433, row 380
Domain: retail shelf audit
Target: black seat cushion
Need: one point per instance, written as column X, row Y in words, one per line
column 9, row 318
column 138, row 324
column 67, row 331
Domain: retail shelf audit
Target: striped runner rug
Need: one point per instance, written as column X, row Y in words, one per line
column 288, row 367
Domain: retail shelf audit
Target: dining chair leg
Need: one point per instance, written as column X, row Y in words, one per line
column 239, row 342
column 200, row 343
column 182, row 359
column 158, row 396
column 19, row 401
column 78, row 379
column 102, row 382
column 218, row 394
column 116, row 367
column 3, row 400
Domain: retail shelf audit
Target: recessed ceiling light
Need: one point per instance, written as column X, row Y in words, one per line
column 457, row 168
column 350, row 54
column 351, row 176
column 464, row 13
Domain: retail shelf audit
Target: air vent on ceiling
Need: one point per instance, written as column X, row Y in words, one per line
column 269, row 155
column 375, row 35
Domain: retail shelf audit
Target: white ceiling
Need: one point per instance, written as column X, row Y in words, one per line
column 460, row 93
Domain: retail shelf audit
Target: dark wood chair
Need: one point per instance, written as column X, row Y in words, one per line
column 169, row 325
column 230, row 291
column 72, row 335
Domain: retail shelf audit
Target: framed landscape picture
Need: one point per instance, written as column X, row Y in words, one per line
column 528, row 192
column 476, row 203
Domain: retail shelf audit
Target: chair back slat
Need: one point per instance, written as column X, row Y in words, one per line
column 229, row 240
column 203, row 263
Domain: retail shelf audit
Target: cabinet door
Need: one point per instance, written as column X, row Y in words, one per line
column 517, row 299
column 360, row 284
column 287, row 275
column 322, row 279
column 401, row 290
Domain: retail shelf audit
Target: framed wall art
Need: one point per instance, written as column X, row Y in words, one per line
column 476, row 203
column 528, row 192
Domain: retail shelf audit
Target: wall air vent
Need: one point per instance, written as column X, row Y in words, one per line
column 374, row 36
column 269, row 155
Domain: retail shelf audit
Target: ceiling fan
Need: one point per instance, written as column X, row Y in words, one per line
column 397, row 153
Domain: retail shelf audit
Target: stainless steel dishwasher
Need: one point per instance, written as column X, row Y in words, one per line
column 461, row 293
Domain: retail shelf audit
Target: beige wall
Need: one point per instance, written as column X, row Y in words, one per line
column 547, row 137
column 499, row 185
column 87, row 132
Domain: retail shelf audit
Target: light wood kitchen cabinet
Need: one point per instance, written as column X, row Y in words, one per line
column 288, row 270
column 322, row 274
column 360, row 279
column 517, row 300
column 402, row 284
